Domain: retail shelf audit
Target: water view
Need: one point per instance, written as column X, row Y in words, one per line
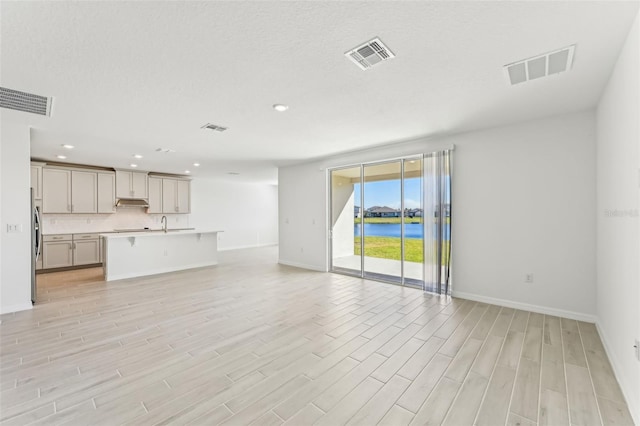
column 411, row 230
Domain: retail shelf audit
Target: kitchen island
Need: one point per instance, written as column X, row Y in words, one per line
column 136, row 254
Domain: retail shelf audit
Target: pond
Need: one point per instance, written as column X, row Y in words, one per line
column 411, row 230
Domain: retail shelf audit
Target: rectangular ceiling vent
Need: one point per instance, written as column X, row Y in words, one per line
column 214, row 127
column 369, row 54
column 26, row 102
column 544, row 65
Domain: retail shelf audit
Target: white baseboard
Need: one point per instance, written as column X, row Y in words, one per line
column 247, row 247
column 15, row 308
column 526, row 307
column 623, row 380
column 301, row 265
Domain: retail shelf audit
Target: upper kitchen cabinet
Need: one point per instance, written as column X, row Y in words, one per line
column 131, row 184
column 84, row 192
column 155, row 195
column 69, row 191
column 56, row 190
column 106, row 192
column 36, row 180
column 176, row 196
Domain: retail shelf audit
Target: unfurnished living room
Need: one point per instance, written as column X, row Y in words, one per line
column 319, row 213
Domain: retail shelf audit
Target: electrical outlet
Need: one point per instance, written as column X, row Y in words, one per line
column 637, row 348
column 528, row 277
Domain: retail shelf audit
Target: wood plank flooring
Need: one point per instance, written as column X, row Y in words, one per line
column 251, row 342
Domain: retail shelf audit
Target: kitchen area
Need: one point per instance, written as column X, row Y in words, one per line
column 88, row 217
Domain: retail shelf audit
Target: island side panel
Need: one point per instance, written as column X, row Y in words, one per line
column 140, row 255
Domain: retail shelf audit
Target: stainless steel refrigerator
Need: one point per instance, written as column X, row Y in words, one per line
column 36, row 244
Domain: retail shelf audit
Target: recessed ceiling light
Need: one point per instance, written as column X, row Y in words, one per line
column 62, row 157
column 280, row 107
column 196, row 164
column 133, row 165
column 187, row 171
column 138, row 156
column 67, row 146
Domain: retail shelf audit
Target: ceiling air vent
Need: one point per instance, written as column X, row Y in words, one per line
column 544, row 65
column 369, row 54
column 26, row 102
column 214, row 127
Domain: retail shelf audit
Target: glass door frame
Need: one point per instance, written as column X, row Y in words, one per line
column 361, row 273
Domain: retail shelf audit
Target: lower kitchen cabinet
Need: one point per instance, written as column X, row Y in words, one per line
column 86, row 249
column 57, row 251
column 65, row 250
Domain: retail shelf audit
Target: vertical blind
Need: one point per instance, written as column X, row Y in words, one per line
column 437, row 221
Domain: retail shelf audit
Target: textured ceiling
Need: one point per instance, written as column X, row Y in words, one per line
column 129, row 77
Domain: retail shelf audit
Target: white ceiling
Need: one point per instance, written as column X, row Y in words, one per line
column 130, row 77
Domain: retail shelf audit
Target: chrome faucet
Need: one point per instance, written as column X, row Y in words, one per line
column 163, row 221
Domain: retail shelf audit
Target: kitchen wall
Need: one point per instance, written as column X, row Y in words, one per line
column 15, row 247
column 246, row 212
column 523, row 201
column 124, row 218
column 618, row 282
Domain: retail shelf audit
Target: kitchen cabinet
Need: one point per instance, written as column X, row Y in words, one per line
column 36, row 180
column 69, row 191
column 183, row 196
column 56, row 190
column 106, row 192
column 65, row 250
column 84, row 192
column 57, row 251
column 155, row 195
column 131, row 184
column 86, row 249
column 176, row 196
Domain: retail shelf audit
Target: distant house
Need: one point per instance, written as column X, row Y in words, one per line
column 413, row 213
column 356, row 211
column 384, row 211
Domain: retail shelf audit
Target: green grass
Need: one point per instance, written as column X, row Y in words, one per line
column 389, row 248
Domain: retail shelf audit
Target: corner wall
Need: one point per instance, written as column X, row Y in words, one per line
column 523, row 201
column 618, row 235
column 15, row 248
column 246, row 212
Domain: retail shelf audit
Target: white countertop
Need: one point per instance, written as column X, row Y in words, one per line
column 158, row 233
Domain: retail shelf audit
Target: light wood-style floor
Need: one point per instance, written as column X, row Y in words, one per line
column 253, row 342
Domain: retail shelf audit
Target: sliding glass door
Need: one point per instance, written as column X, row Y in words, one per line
column 383, row 240
column 345, row 220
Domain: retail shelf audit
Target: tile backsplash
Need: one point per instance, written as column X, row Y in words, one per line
column 124, row 218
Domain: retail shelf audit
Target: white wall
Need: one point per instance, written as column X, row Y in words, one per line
column 524, row 201
column 618, row 172
column 15, row 248
column 246, row 212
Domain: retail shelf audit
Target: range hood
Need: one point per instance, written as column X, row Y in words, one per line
column 130, row 202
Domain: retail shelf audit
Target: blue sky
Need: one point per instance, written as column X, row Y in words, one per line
column 387, row 193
